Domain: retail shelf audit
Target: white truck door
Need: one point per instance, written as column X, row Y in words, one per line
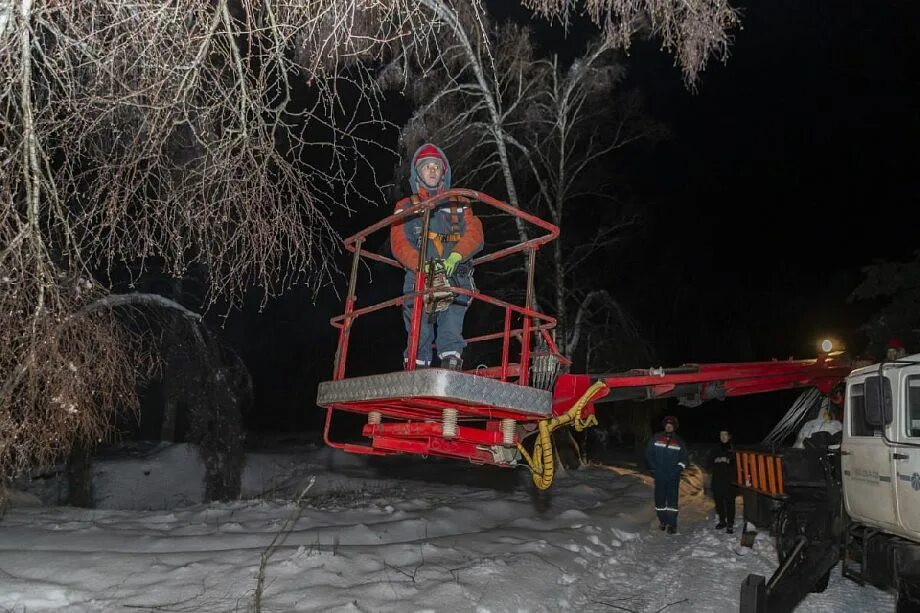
column 905, row 458
column 869, row 492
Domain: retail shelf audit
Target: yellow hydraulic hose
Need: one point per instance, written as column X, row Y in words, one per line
column 541, row 463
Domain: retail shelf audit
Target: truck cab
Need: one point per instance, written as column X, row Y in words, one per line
column 858, row 505
column 880, row 455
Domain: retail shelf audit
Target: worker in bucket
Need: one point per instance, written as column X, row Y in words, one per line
column 895, row 350
column 724, row 491
column 667, row 457
column 454, row 237
column 827, row 421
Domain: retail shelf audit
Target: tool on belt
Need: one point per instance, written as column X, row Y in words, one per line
column 436, row 279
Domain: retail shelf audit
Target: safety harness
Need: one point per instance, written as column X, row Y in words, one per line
column 438, row 239
column 437, row 277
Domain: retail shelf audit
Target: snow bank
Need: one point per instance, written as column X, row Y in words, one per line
column 392, row 535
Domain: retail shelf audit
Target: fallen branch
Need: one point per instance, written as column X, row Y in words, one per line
column 671, row 604
column 283, row 531
column 411, row 575
column 613, row 606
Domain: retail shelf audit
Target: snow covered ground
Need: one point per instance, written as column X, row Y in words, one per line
column 395, row 535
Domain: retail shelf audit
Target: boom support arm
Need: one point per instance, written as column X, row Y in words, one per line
column 693, row 384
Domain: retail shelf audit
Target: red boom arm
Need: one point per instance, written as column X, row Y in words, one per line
column 696, row 383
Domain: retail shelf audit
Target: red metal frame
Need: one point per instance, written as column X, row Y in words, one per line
column 413, row 435
column 414, row 424
column 354, row 245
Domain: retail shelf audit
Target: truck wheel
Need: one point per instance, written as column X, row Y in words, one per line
column 908, row 597
column 785, row 535
column 821, row 585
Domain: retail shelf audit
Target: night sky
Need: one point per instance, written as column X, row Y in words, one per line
column 786, row 170
column 790, row 168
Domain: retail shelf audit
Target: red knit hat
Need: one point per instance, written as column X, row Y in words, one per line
column 896, row 343
column 429, row 152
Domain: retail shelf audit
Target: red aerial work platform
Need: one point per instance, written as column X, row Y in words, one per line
column 482, row 415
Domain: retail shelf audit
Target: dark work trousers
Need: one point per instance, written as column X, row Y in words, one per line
column 666, row 493
column 448, row 336
column 444, row 329
column 724, row 494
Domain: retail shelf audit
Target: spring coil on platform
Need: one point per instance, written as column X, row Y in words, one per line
column 449, row 423
column 508, row 427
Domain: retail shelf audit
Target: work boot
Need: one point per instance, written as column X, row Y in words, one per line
column 419, row 364
column 662, row 527
column 452, row 362
column 730, row 530
column 720, row 525
column 672, row 530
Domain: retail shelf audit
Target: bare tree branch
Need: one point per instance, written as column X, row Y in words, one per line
column 218, row 135
column 113, row 301
column 693, row 30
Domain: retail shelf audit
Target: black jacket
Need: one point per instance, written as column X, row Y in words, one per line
column 722, row 464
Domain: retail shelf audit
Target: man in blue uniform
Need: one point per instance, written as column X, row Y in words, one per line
column 667, row 457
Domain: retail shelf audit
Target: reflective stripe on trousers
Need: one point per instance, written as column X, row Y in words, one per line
column 666, row 503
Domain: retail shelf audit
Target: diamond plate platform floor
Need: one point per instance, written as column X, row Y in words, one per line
column 436, row 384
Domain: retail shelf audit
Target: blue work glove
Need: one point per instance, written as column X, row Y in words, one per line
column 450, row 264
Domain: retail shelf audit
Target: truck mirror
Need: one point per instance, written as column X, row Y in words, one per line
column 878, row 402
